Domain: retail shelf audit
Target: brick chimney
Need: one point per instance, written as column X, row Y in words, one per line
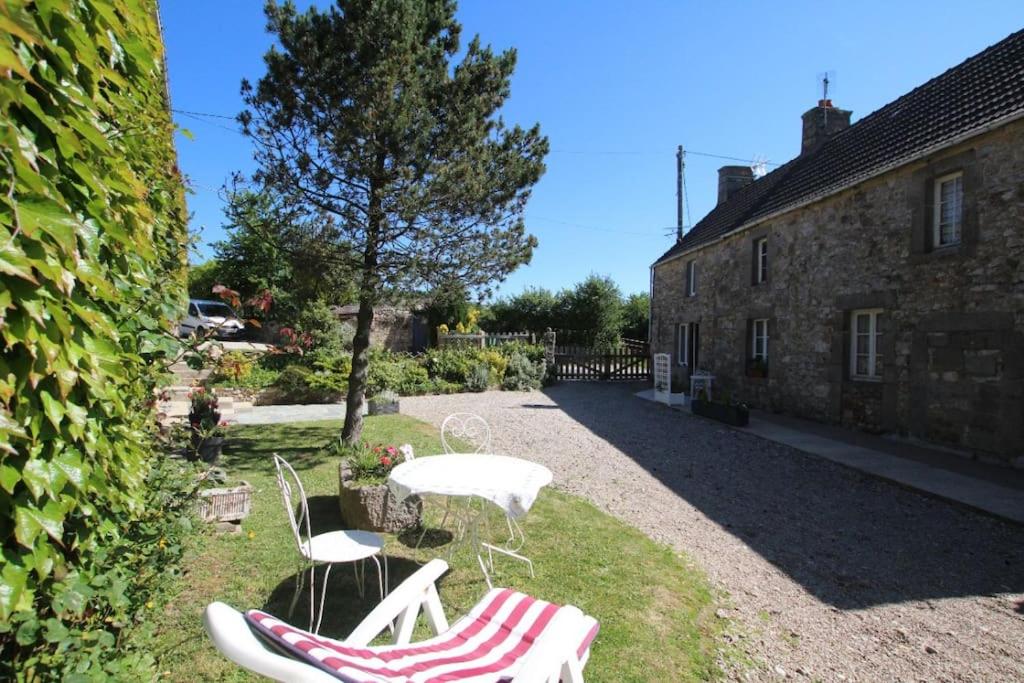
column 821, row 123
column 732, row 178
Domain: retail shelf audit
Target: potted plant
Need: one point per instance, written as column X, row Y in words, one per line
column 384, row 403
column 365, row 500
column 207, row 429
column 724, row 410
column 756, row 367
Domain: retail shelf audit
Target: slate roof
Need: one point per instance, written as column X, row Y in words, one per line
column 984, row 89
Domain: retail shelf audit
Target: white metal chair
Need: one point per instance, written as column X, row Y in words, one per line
column 471, row 428
column 466, row 427
column 506, row 636
column 330, row 548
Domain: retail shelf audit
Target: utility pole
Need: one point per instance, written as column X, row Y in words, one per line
column 680, row 165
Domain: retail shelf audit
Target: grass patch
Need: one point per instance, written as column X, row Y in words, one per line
column 656, row 613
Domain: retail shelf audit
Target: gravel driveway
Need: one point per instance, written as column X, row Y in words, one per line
column 830, row 574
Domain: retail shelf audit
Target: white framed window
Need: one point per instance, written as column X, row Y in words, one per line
column 949, row 209
column 865, row 347
column 691, row 278
column 759, row 340
column 761, row 258
column 688, row 337
column 683, row 337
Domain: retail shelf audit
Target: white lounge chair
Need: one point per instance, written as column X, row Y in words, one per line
column 508, row 636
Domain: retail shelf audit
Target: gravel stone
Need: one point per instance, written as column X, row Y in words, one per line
column 827, row 552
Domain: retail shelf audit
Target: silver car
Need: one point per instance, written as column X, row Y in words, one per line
column 211, row 317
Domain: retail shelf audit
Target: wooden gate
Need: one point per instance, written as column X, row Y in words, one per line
column 624, row 363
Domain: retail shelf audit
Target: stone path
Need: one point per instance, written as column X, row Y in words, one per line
column 258, row 415
column 830, row 574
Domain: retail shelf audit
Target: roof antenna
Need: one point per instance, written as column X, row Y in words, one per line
column 826, row 80
column 680, row 166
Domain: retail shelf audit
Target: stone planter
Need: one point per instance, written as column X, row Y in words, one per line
column 737, row 416
column 374, row 508
column 383, row 407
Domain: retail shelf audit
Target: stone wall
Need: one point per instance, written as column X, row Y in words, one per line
column 392, row 329
column 952, row 319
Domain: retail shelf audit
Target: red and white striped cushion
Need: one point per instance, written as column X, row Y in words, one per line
column 488, row 644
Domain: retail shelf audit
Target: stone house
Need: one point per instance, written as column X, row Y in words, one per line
column 877, row 279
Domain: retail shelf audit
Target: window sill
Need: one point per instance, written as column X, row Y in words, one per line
column 958, row 250
column 866, row 380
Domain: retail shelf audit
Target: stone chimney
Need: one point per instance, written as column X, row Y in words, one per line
column 732, row 178
column 821, row 123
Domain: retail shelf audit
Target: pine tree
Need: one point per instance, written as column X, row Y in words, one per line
column 394, row 152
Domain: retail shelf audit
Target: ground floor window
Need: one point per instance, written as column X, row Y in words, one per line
column 688, row 337
column 865, row 346
column 759, row 340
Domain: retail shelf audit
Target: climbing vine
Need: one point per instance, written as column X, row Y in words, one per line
column 92, row 235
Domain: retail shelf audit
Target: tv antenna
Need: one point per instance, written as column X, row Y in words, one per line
column 759, row 166
column 826, row 81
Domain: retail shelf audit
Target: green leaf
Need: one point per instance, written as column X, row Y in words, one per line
column 53, row 408
column 12, row 587
column 9, row 477
column 70, row 463
column 51, row 218
column 27, row 632
column 29, row 521
column 54, row 630
column 36, row 476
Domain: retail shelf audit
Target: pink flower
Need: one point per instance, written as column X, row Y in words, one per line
column 386, row 461
column 392, row 451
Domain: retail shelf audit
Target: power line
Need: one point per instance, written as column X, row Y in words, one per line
column 652, row 153
column 200, row 119
column 202, row 113
column 599, row 228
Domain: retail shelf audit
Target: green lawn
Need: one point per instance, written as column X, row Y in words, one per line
column 656, row 611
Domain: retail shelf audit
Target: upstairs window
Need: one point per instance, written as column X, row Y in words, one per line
column 761, row 260
column 949, row 209
column 865, row 346
column 691, row 278
column 759, row 340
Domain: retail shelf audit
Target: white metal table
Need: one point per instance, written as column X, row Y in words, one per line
column 510, row 483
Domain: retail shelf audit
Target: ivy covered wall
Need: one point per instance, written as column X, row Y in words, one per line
column 92, row 259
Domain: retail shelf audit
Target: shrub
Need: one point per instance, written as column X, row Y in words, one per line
column 479, row 378
column 497, row 363
column 257, row 378
column 299, row 384
column 452, row 364
column 327, row 336
column 232, row 367
column 535, row 352
column 92, row 220
column 522, row 374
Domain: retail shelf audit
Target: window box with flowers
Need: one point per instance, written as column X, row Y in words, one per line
column 365, row 500
column 207, row 429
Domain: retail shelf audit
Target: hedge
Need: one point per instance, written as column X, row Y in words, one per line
column 92, row 269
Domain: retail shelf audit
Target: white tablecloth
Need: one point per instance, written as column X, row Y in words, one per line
column 510, row 483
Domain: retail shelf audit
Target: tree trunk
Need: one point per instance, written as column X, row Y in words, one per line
column 357, row 378
column 368, row 285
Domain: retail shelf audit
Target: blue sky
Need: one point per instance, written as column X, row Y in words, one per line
column 616, row 87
